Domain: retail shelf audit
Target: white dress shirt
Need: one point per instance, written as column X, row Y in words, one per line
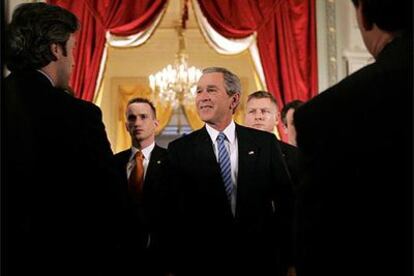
column 146, row 152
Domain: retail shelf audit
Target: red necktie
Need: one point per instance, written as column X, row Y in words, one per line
column 136, row 178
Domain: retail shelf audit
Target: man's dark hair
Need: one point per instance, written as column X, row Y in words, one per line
column 291, row 105
column 33, row 28
column 262, row 95
column 388, row 15
column 146, row 101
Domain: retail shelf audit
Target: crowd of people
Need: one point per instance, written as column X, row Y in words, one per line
column 225, row 199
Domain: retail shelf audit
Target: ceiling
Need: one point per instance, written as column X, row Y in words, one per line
column 172, row 16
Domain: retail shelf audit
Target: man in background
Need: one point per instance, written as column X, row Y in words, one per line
column 140, row 168
column 262, row 113
column 60, row 196
column 356, row 207
column 287, row 119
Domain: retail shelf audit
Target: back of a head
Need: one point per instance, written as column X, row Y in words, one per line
column 33, row 28
column 388, row 15
column 295, row 104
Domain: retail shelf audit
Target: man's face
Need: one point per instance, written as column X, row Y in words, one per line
column 214, row 105
column 261, row 114
column 291, row 130
column 65, row 63
column 141, row 124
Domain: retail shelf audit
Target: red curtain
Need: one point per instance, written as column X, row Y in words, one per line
column 120, row 17
column 286, row 39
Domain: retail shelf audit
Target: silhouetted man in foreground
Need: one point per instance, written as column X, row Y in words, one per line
column 60, row 197
column 356, row 209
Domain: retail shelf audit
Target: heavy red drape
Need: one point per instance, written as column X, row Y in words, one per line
column 286, row 39
column 120, row 17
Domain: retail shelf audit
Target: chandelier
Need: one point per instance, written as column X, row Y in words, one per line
column 176, row 84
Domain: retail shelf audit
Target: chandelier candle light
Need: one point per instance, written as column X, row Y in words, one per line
column 176, row 84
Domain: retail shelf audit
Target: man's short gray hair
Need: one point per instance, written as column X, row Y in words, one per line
column 231, row 80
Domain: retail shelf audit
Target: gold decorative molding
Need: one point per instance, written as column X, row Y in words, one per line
column 331, row 42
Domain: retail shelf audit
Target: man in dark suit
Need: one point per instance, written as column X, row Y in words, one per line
column 231, row 189
column 60, row 197
column 141, row 241
column 262, row 113
column 356, row 207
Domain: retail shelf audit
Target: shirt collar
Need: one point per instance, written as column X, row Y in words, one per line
column 229, row 131
column 47, row 76
column 146, row 151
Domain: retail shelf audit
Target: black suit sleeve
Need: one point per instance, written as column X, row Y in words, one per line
column 101, row 171
column 284, row 203
column 170, row 219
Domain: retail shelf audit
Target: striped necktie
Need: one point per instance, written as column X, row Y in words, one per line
column 225, row 165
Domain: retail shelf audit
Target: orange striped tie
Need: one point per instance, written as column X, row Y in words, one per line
column 136, row 179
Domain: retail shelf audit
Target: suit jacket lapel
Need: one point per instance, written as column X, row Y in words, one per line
column 124, row 159
column 205, row 153
column 208, row 170
column 154, row 163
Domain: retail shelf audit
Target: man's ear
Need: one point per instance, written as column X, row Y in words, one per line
column 277, row 116
column 235, row 100
column 156, row 123
column 54, row 49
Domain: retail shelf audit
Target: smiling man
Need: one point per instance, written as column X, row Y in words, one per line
column 232, row 190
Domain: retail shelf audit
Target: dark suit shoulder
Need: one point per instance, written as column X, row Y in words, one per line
column 35, row 88
column 122, row 155
column 159, row 149
column 248, row 130
column 287, row 148
column 188, row 138
column 88, row 105
column 159, row 153
column 256, row 136
column 390, row 72
column 88, row 109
